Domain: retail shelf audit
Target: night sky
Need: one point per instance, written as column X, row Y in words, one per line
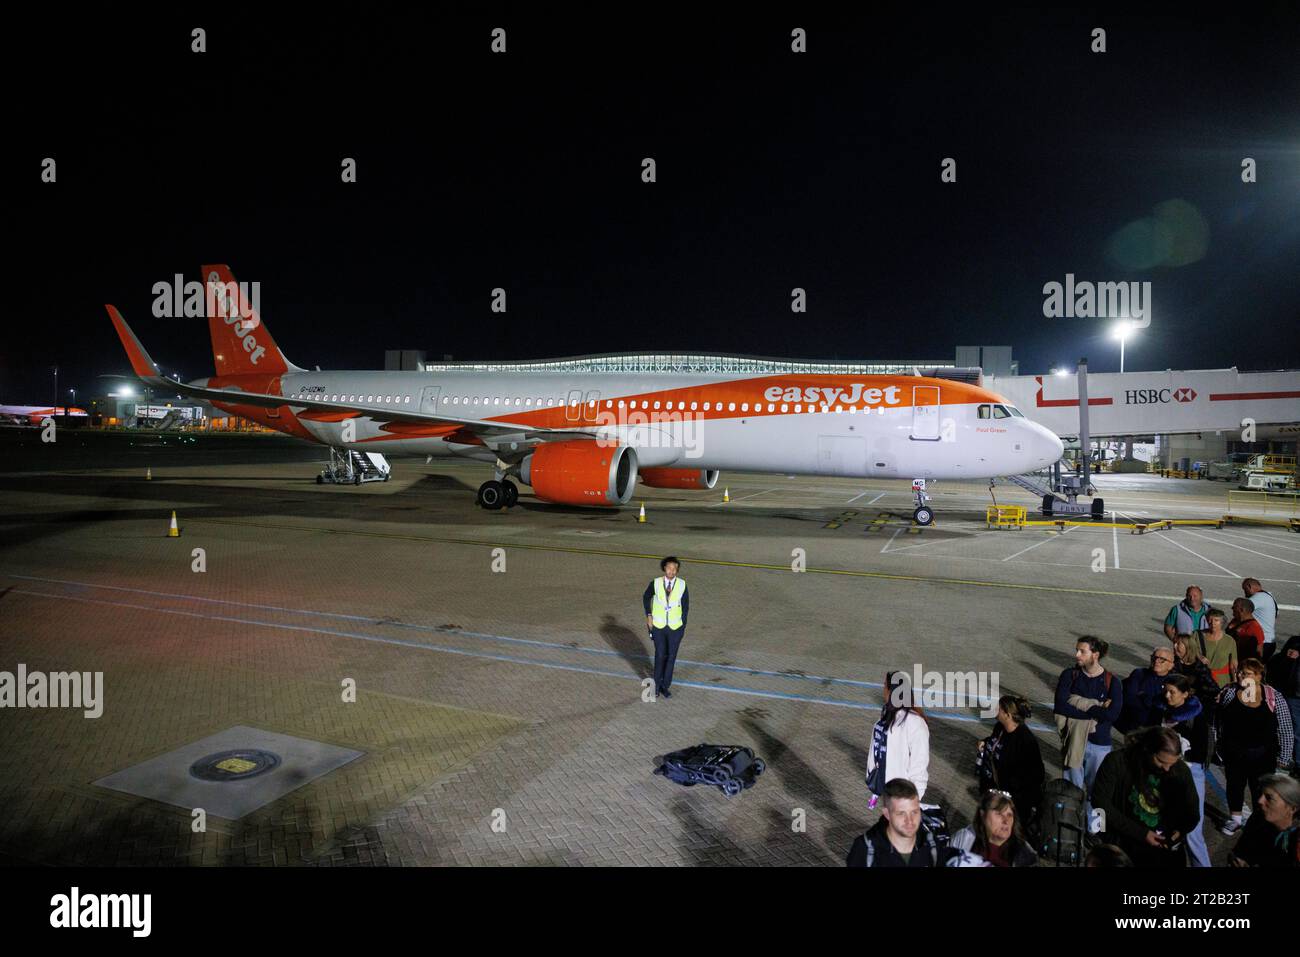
column 775, row 170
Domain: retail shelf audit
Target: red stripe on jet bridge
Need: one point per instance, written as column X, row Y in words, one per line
column 1233, row 396
column 1055, row 403
column 1042, row 403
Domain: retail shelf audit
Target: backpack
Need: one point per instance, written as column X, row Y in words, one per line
column 935, row 820
column 1060, row 825
column 930, row 846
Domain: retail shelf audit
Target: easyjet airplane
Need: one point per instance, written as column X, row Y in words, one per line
column 585, row 438
column 36, row 414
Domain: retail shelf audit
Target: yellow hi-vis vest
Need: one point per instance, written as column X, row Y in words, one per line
column 666, row 609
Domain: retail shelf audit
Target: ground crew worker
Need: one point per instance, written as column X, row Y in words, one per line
column 666, row 607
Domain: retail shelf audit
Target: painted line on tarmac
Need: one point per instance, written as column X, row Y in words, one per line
column 1285, row 561
column 463, row 633
column 512, row 659
column 1029, row 548
column 762, row 566
column 1166, row 538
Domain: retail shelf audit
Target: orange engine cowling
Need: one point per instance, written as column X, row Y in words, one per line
column 581, row 472
column 679, row 478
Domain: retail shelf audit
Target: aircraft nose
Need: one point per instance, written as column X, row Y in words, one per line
column 1048, row 447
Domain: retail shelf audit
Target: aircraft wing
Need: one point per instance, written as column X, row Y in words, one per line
column 491, row 432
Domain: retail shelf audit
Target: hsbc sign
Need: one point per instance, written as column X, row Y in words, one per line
column 1158, row 396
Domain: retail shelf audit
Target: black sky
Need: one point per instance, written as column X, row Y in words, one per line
column 775, row 170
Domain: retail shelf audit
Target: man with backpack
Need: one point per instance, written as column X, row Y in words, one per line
column 1088, row 700
column 899, row 838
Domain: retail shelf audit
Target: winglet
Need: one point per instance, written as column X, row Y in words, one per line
column 143, row 366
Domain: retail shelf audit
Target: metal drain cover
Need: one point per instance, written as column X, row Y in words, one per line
column 237, row 765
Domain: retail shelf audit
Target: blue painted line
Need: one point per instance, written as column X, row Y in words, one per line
column 559, row 646
column 513, row 659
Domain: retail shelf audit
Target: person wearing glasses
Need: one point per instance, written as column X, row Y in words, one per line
column 1144, row 692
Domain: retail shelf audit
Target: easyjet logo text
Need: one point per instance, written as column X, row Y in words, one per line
column 829, row 395
column 229, row 302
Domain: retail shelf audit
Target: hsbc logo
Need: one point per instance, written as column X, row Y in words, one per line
column 1158, row 396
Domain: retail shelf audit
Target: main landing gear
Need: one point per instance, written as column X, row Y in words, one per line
column 922, row 514
column 496, row 494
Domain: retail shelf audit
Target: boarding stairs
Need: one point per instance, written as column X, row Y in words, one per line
column 1058, row 492
column 349, row 467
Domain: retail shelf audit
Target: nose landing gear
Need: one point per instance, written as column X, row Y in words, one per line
column 922, row 514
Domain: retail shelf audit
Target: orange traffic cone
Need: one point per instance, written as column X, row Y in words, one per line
column 174, row 531
column 641, row 517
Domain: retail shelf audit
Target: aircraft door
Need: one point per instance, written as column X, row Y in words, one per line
column 925, row 413
column 429, row 400
column 573, row 406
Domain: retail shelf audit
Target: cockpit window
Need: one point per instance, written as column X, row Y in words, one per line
column 1000, row 412
column 984, row 412
column 1016, row 412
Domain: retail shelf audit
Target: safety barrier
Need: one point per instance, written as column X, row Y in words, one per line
column 1279, row 504
column 1005, row 516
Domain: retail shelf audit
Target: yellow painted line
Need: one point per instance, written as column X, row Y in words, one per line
column 611, row 553
column 842, row 519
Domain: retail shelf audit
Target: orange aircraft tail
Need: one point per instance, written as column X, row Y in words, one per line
column 241, row 343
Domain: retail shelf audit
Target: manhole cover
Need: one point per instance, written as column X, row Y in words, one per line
column 238, row 765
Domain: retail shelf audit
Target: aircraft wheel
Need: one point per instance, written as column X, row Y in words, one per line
column 490, row 495
column 320, row 480
column 923, row 515
column 510, row 493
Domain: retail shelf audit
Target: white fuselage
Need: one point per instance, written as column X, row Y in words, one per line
column 862, row 426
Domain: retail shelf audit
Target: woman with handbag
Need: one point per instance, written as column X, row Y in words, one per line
column 900, row 740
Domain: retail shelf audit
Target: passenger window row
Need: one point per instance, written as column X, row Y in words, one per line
column 368, row 399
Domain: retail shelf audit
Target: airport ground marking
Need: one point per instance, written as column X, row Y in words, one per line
column 718, row 562
column 513, row 659
column 1165, row 538
column 1245, row 537
column 1036, row 544
column 1285, row 561
column 1114, row 541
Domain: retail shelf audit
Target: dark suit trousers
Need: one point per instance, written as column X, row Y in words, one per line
column 667, row 641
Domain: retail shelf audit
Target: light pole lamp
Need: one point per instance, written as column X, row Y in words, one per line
column 1122, row 330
